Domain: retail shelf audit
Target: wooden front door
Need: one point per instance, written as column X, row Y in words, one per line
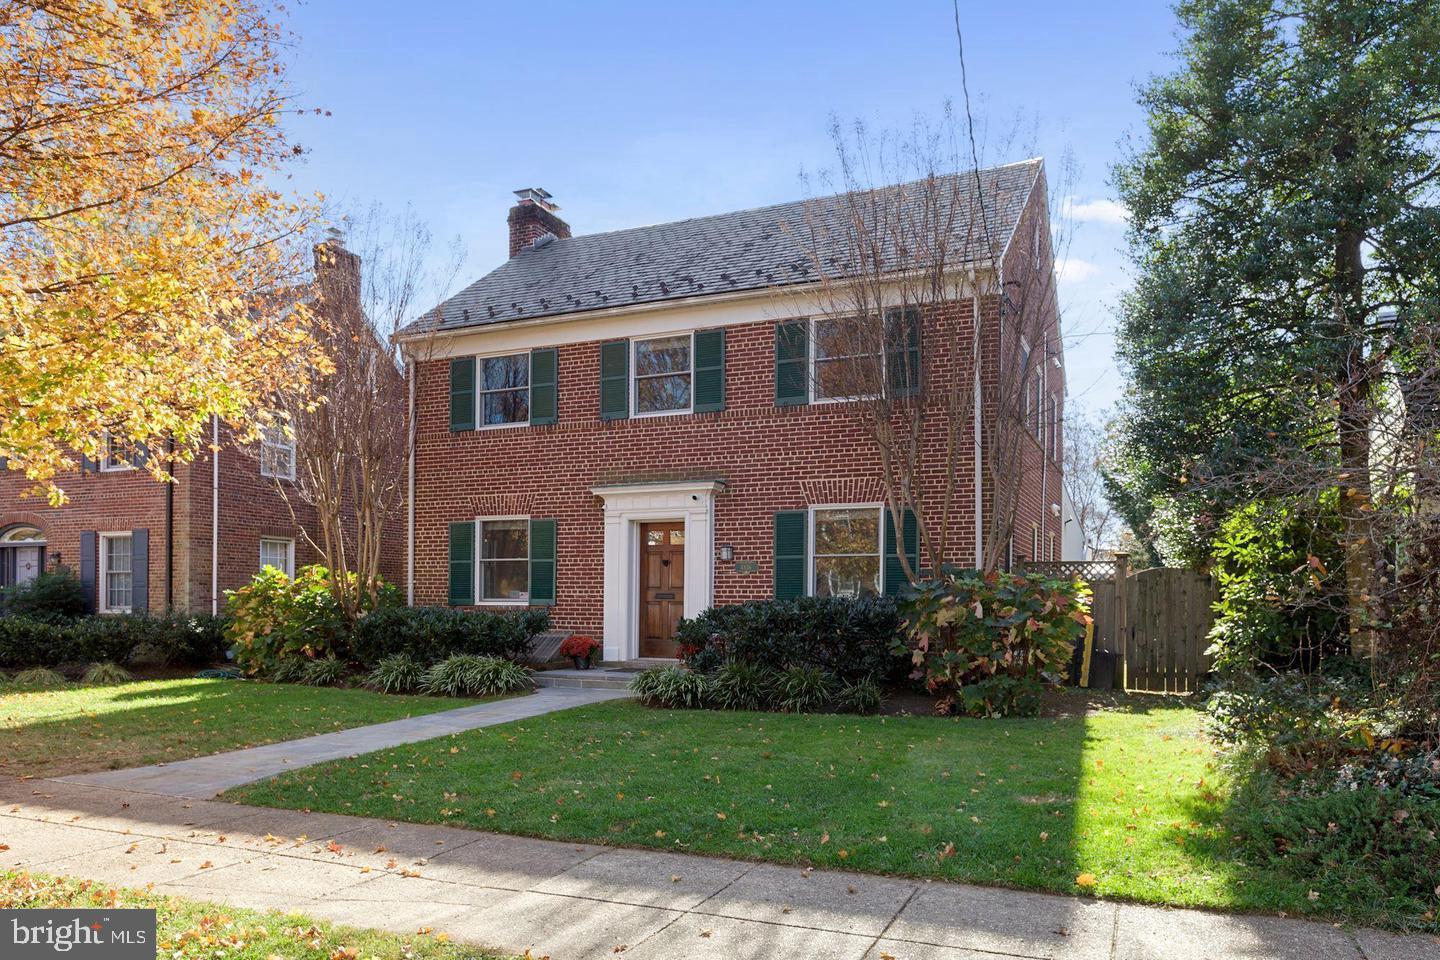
column 662, row 586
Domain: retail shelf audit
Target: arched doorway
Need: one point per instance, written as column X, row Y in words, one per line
column 22, row 555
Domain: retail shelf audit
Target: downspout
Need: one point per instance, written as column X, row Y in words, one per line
column 979, row 447
column 170, row 527
column 215, row 516
column 410, row 490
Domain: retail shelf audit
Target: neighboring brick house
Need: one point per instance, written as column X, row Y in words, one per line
column 139, row 545
column 623, row 426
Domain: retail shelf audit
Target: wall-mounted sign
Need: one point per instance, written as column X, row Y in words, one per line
column 747, row 566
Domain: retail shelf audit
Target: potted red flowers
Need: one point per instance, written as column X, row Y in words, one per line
column 578, row 648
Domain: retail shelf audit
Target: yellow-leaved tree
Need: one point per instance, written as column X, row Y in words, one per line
column 148, row 265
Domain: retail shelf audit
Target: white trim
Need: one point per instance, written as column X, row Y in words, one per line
column 289, row 542
column 103, row 600
column 976, row 413
column 215, row 515
column 634, row 385
column 476, row 561
column 626, row 507
column 879, row 509
column 108, row 463
column 410, row 488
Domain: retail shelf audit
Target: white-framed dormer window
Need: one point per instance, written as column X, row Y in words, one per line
column 278, row 552
column 117, row 574
column 277, row 452
column 118, row 455
column 662, row 372
column 504, row 394
column 502, row 571
column 846, row 551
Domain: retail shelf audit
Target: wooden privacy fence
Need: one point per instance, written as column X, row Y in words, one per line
column 1153, row 623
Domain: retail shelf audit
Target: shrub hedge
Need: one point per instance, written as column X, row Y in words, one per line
column 192, row 640
column 848, row 638
column 435, row 633
column 54, row 596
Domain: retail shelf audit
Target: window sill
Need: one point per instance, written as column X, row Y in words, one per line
column 662, row 413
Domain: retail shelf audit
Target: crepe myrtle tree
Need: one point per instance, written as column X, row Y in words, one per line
column 351, row 431
column 911, row 238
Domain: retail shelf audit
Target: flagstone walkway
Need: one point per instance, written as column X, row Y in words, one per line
column 585, row 902
column 204, row 777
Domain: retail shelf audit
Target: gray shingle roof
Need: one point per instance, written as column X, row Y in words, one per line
column 725, row 253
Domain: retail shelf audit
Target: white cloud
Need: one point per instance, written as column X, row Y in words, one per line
column 1076, row 270
column 1096, row 211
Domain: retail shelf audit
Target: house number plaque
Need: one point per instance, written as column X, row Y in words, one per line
column 747, row 566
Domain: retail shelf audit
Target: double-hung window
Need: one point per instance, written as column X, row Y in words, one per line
column 505, row 390
column 279, row 553
column 118, row 455
column 663, row 374
column 504, row 560
column 846, row 551
column 117, row 574
column 277, row 452
column 847, row 361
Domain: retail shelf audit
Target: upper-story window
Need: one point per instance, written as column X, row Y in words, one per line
column 505, row 390
column 118, row 454
column 846, row 363
column 662, row 375
column 277, row 452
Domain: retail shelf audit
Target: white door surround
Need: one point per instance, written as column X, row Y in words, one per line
column 626, row 507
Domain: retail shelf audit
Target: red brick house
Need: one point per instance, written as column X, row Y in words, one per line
column 139, row 545
column 627, row 427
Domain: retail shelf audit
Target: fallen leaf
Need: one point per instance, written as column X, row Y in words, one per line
column 1085, row 880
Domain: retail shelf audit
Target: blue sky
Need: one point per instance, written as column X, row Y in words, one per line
column 634, row 112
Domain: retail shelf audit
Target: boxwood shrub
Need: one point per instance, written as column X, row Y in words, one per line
column 850, row 638
column 436, row 633
column 191, row 640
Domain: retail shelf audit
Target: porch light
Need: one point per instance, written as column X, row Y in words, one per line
column 727, row 552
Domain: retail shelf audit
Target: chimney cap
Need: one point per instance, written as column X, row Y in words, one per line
column 537, row 195
column 335, row 235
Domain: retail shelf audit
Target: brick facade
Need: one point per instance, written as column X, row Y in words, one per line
column 770, row 458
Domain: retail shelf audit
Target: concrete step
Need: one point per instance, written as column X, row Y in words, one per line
column 597, row 678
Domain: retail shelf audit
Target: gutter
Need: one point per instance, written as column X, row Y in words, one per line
column 975, row 417
column 170, row 527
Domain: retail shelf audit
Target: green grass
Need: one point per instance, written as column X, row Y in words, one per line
column 194, row 929
column 1130, row 793
column 74, row 729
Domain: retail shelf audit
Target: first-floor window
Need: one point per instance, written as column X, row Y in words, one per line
column 279, row 553
column 504, row 560
column 846, row 551
column 117, row 576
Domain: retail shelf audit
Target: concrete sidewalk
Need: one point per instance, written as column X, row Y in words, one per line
column 204, row 777
column 585, row 902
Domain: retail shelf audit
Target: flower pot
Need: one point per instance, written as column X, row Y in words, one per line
column 581, row 663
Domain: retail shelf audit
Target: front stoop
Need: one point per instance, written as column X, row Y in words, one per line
column 596, row 678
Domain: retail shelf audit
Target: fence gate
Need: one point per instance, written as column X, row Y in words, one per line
column 1154, row 622
column 1168, row 615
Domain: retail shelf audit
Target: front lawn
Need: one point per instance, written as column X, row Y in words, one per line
column 194, row 929
column 1118, row 800
column 75, row 729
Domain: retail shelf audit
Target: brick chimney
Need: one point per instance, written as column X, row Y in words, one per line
column 337, row 273
column 533, row 217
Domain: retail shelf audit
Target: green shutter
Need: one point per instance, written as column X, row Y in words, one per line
column 895, row 580
column 462, row 563
column 544, row 385
column 462, row 393
column 792, row 363
column 615, row 380
column 542, row 562
column 790, row 536
column 709, row 370
column 902, row 351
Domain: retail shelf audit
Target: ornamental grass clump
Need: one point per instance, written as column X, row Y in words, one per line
column 804, row 688
column 38, row 678
column 468, row 675
column 323, row 672
column 100, row 674
column 985, row 644
column 398, row 673
column 673, row 687
column 743, row 685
